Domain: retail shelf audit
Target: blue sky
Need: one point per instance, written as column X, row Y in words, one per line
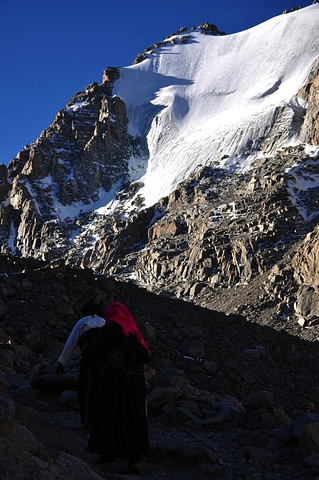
column 51, row 50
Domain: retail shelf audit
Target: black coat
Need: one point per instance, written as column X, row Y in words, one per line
column 120, row 424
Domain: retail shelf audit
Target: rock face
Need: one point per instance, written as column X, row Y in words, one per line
column 247, row 237
column 80, row 157
column 4, row 185
column 310, row 92
column 210, row 240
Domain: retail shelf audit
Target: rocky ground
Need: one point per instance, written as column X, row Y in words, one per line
column 228, row 398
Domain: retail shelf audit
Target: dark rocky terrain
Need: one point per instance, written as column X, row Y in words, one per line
column 228, row 398
column 221, row 276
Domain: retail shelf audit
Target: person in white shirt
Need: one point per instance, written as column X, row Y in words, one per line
column 88, row 380
column 93, row 320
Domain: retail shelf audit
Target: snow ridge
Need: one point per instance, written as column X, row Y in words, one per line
column 215, row 96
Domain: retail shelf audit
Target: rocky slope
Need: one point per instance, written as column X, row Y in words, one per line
column 250, row 249
column 243, row 235
column 227, row 397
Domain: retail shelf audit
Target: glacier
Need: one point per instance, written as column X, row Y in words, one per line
column 216, row 98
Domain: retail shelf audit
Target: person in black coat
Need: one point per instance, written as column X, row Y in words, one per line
column 120, row 427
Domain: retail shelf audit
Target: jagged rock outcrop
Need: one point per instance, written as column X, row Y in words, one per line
column 304, row 264
column 4, row 185
column 209, row 234
column 310, row 92
column 305, row 260
column 80, row 157
column 206, row 28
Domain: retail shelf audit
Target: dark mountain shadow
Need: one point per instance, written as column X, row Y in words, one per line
column 223, row 354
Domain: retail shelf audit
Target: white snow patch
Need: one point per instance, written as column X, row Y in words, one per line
column 157, row 215
column 136, row 167
column 60, row 150
column 108, row 203
column 237, row 164
column 78, row 105
column 312, row 150
column 105, row 204
column 305, row 177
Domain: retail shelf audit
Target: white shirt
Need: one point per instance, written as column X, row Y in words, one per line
column 79, row 328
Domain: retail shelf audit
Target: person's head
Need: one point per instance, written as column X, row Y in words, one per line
column 117, row 312
column 92, row 308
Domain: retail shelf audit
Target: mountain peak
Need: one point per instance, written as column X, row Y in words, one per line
column 189, row 171
column 181, row 35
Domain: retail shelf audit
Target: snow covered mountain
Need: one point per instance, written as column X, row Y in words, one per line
column 199, row 98
column 193, row 171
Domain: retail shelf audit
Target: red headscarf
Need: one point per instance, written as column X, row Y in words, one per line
column 118, row 313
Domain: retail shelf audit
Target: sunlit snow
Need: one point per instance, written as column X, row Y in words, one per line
column 104, row 205
column 212, row 99
column 214, row 96
column 78, row 105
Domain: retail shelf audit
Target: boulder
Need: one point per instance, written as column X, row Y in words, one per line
column 303, row 420
column 261, row 455
column 196, row 454
column 25, row 440
column 172, row 378
column 258, row 400
column 177, row 417
column 309, row 439
column 161, row 395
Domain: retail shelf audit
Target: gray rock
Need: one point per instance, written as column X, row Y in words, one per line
column 191, row 332
column 313, row 462
column 74, row 468
column 309, row 439
column 303, row 420
column 25, row 440
column 172, row 378
column 161, row 395
column 65, row 309
column 228, row 414
column 210, row 366
column 9, row 291
column 261, row 455
column 196, row 454
column 284, row 435
column 191, row 348
column 6, row 358
column 258, row 400
column 178, row 417
column 69, row 398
